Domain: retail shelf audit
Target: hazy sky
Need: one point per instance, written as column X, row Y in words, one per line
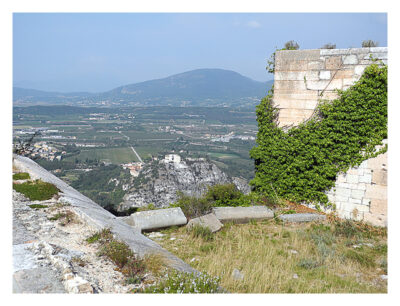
column 97, row 52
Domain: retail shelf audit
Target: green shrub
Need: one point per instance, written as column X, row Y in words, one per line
column 301, row 163
column 21, row 176
column 150, row 206
column 224, row 195
column 177, row 282
column 118, row 252
column 192, row 207
column 37, row 190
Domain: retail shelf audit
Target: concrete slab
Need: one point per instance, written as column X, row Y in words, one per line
column 156, row 219
column 242, row 214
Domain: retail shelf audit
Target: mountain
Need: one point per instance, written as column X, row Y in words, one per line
column 201, row 87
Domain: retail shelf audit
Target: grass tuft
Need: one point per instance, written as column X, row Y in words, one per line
column 37, row 190
column 21, row 176
column 38, row 206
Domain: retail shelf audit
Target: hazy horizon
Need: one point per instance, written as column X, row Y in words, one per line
column 96, row 52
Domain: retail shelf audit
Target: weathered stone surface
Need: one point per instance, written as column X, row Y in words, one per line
column 242, row 214
column 98, row 217
column 209, row 221
column 302, row 217
column 156, row 219
column 333, row 62
column 324, row 74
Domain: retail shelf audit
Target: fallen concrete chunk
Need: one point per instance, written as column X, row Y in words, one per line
column 302, row 217
column 209, row 221
column 242, row 214
column 156, row 219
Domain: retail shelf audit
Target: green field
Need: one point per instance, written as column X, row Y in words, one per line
column 113, row 155
column 223, row 155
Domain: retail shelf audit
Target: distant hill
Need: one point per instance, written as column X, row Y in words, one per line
column 201, row 87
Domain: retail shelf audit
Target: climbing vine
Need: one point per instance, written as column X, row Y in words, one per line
column 302, row 163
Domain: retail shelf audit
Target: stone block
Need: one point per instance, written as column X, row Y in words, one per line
column 361, row 186
column 378, row 49
column 295, row 75
column 290, row 85
column 376, row 55
column 242, row 214
column 341, row 198
column 332, row 63
column 378, row 206
column 295, row 114
column 344, row 74
column 316, row 65
column 350, row 59
column 357, row 194
column 156, row 219
column 378, row 162
column 366, row 201
column 209, row 221
column 343, row 185
column 379, row 177
column 355, row 201
column 306, row 217
column 324, row 75
column 352, row 171
column 324, row 85
column 359, row 70
column 376, row 192
column 341, row 178
column 366, row 178
column 330, row 52
column 352, row 178
column 329, row 95
column 298, row 55
column 376, row 220
column 343, row 192
column 298, row 65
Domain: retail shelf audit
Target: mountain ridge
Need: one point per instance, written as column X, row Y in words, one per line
column 199, row 87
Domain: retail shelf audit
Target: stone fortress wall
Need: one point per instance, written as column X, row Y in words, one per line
column 302, row 78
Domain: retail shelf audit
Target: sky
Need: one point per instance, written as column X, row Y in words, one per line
column 97, row 52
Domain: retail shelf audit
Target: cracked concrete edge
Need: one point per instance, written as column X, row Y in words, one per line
column 99, row 218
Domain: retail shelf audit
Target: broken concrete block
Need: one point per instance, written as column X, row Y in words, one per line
column 306, row 217
column 156, row 219
column 209, row 221
column 242, row 214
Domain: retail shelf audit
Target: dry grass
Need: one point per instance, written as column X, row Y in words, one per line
column 270, row 256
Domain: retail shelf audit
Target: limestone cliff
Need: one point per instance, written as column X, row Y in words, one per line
column 159, row 182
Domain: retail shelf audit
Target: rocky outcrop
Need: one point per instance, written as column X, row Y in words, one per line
column 159, row 182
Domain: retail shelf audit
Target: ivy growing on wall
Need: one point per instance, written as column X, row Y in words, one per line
column 302, row 163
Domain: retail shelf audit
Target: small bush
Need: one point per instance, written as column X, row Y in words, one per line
column 118, row 252
column 351, row 229
column 65, row 217
column 224, row 195
column 361, row 257
column 192, row 207
column 308, row 264
column 102, row 236
column 150, row 206
column 329, row 46
column 176, row 282
column 201, row 231
column 37, row 206
column 206, row 248
column 21, row 176
column 369, row 43
column 37, row 190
